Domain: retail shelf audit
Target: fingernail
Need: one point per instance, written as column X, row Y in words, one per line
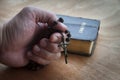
column 66, row 31
column 68, row 35
column 36, row 48
column 61, row 20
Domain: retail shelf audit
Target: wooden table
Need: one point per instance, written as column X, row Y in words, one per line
column 103, row 65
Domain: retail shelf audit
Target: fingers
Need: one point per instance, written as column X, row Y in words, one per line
column 42, row 56
column 50, row 46
column 45, row 51
column 60, row 26
column 37, row 59
column 45, row 54
column 43, row 16
column 55, row 37
column 48, row 17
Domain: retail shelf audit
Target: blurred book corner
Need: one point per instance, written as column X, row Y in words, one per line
column 84, row 34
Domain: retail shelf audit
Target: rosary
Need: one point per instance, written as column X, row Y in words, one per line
column 64, row 43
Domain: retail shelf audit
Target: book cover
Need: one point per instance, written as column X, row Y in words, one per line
column 84, row 34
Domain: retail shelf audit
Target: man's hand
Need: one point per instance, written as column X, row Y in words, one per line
column 22, row 30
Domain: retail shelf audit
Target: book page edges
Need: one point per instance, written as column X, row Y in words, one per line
column 80, row 46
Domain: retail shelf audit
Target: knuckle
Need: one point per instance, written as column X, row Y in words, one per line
column 36, row 49
column 28, row 11
column 52, row 14
column 28, row 8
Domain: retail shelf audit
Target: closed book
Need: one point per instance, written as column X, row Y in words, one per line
column 84, row 34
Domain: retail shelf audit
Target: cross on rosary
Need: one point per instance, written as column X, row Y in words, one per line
column 64, row 43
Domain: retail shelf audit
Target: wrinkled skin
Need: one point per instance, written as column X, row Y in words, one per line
column 20, row 31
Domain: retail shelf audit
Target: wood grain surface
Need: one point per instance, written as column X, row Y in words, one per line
column 103, row 65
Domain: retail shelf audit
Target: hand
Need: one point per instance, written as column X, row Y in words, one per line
column 22, row 30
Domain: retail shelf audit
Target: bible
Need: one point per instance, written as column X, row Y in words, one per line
column 84, row 34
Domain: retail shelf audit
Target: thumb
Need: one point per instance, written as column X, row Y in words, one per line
column 55, row 38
